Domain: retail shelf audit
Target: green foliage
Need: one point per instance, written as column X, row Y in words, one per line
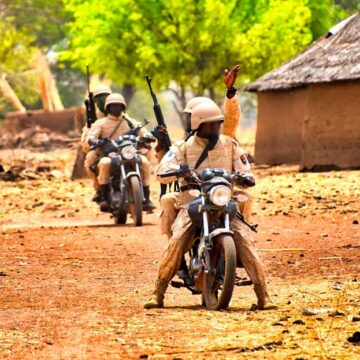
column 189, row 41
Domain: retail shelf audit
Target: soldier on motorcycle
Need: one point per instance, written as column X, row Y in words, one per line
column 115, row 124
column 206, row 149
column 232, row 116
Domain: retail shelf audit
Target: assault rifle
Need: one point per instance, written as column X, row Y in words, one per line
column 160, row 120
column 159, row 115
column 89, row 102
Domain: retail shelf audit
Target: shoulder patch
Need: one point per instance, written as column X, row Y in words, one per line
column 170, row 155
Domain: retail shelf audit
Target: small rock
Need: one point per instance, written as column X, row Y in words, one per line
column 356, row 222
column 355, row 338
column 355, row 319
column 310, row 312
column 337, row 313
column 337, row 285
column 298, row 322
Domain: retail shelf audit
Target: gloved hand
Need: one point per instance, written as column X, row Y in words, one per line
column 94, row 143
column 147, row 138
column 244, row 180
column 160, row 132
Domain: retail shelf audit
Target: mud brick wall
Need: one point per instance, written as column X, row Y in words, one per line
column 279, row 126
column 58, row 121
column 331, row 126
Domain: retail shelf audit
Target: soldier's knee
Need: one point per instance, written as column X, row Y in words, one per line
column 168, row 201
column 105, row 161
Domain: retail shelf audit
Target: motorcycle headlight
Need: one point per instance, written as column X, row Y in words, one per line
column 128, row 152
column 220, row 195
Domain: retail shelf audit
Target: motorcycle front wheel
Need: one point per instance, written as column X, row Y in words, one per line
column 219, row 282
column 135, row 200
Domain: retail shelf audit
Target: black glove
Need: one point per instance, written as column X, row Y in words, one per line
column 159, row 132
column 95, row 143
column 244, row 180
column 147, row 139
column 184, row 171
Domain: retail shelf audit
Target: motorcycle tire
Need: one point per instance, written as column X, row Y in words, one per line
column 219, row 285
column 135, row 200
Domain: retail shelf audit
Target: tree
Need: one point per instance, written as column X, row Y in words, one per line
column 188, row 41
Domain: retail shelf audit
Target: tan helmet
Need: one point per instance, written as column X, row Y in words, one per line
column 102, row 89
column 115, row 98
column 205, row 112
column 195, row 102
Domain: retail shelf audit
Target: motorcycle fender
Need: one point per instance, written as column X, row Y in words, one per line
column 134, row 173
column 218, row 232
column 213, row 235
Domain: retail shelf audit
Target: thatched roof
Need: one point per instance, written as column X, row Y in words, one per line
column 334, row 57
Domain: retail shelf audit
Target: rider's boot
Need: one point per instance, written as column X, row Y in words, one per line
column 148, row 205
column 157, row 298
column 104, row 202
column 97, row 196
column 183, row 273
column 264, row 301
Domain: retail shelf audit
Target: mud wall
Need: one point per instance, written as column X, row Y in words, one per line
column 279, row 127
column 331, row 127
column 58, row 121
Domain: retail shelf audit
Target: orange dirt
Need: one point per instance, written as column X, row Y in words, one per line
column 72, row 284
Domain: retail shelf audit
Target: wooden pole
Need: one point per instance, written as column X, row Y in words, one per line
column 10, row 94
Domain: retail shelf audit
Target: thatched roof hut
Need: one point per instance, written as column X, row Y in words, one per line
column 309, row 108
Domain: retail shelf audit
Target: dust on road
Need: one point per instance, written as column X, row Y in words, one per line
column 70, row 290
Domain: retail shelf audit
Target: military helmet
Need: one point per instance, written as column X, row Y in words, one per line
column 205, row 112
column 194, row 102
column 102, row 89
column 115, row 98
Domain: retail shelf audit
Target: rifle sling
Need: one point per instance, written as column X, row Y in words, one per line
column 210, row 145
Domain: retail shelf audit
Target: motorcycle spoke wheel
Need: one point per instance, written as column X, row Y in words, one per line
column 219, row 283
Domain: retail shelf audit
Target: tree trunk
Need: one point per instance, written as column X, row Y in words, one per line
column 128, row 92
column 9, row 94
column 47, row 87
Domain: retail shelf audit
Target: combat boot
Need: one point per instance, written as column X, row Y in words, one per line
column 148, row 205
column 183, row 273
column 264, row 301
column 157, row 298
column 104, row 202
column 97, row 196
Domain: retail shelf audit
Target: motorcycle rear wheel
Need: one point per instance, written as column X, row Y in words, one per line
column 136, row 200
column 219, row 283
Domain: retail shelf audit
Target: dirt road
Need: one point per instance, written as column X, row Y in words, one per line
column 72, row 285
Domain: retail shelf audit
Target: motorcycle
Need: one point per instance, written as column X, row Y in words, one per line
column 126, row 194
column 212, row 258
